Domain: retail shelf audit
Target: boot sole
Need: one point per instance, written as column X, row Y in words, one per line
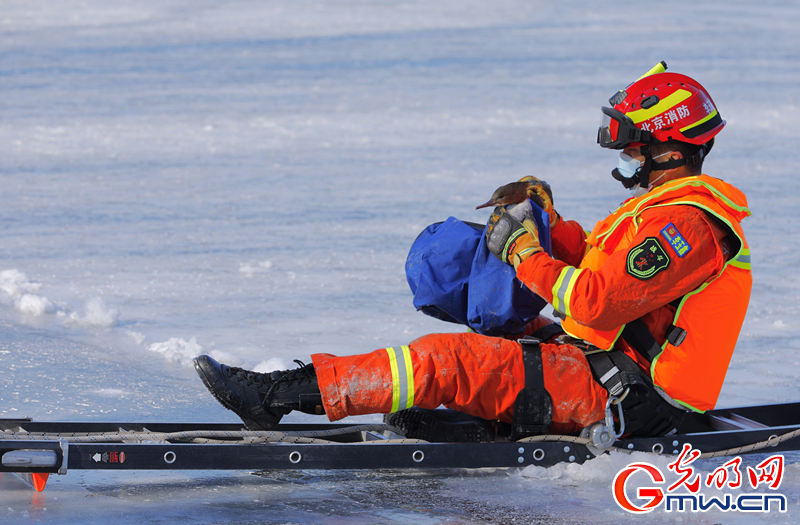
column 441, row 426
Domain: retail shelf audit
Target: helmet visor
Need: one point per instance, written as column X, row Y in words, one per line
column 617, row 130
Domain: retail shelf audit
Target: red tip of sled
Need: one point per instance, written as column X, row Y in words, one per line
column 39, row 481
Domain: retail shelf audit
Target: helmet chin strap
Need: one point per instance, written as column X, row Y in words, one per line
column 642, row 175
column 647, row 167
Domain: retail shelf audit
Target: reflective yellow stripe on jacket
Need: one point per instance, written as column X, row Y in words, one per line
column 743, row 260
column 402, row 378
column 562, row 290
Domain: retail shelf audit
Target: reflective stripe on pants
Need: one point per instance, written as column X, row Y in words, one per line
column 402, row 378
column 476, row 374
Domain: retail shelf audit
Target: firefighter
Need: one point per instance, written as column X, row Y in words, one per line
column 651, row 304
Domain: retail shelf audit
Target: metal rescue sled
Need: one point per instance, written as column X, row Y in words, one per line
column 36, row 449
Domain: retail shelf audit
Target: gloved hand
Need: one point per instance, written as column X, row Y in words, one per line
column 540, row 193
column 510, row 240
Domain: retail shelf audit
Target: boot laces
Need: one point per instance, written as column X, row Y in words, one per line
column 298, row 375
column 247, row 376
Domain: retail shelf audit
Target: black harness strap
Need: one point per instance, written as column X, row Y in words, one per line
column 639, row 337
column 533, row 408
column 547, row 331
column 646, row 412
column 612, row 377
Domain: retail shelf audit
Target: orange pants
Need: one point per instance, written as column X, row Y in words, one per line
column 476, row 374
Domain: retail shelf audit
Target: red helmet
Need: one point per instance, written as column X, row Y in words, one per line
column 658, row 108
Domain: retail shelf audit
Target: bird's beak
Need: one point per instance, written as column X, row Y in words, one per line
column 485, row 205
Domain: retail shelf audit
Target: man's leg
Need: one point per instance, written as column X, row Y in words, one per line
column 468, row 372
column 476, row 374
column 479, row 375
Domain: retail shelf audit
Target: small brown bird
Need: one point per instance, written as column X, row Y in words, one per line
column 528, row 187
column 512, row 193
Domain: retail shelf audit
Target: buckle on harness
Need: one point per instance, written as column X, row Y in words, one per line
column 614, row 400
column 602, row 435
column 675, row 335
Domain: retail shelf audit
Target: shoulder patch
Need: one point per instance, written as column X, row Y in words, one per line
column 676, row 240
column 647, row 259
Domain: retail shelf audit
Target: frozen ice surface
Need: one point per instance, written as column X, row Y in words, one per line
column 244, row 179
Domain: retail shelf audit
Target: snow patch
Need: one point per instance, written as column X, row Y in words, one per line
column 14, row 283
column 138, row 337
column 19, row 292
column 97, row 314
column 250, row 269
column 599, row 470
column 34, row 304
column 114, row 392
column 178, row 350
column 271, row 364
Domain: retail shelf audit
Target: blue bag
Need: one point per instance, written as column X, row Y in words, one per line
column 455, row 278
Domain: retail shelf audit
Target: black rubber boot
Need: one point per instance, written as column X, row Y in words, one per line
column 441, row 426
column 261, row 400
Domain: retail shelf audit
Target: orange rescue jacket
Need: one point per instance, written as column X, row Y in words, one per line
column 711, row 312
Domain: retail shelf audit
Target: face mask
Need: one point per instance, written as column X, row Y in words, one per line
column 627, row 166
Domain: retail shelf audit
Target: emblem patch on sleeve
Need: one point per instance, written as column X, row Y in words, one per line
column 647, row 259
column 676, row 240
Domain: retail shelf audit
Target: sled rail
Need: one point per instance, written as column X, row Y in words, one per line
column 41, row 448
